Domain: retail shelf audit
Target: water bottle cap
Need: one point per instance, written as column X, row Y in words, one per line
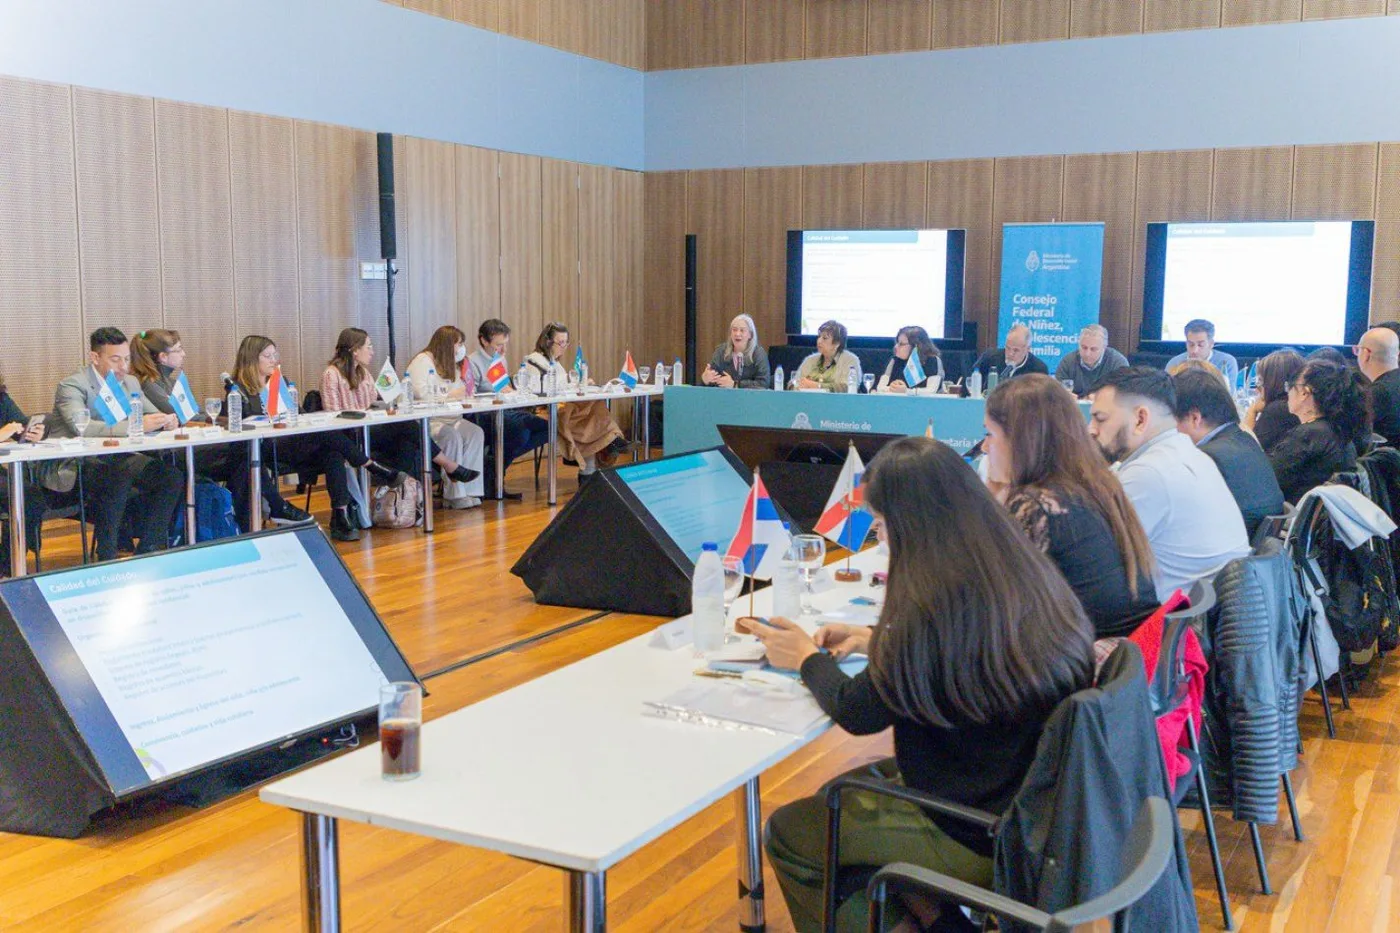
column 709, row 546
column 787, row 526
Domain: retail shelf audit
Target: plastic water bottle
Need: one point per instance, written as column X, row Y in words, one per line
column 235, row 409
column 707, row 600
column 974, row 384
column 406, row 393
column 293, row 415
column 522, row 379
column 852, row 381
column 992, row 378
column 677, row 374
column 778, row 383
column 658, row 373
column 135, row 429
column 787, row 584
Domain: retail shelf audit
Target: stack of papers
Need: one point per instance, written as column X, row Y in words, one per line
column 734, row 704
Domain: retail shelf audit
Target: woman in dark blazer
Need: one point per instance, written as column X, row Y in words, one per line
column 1332, row 407
column 907, row 342
column 740, row 362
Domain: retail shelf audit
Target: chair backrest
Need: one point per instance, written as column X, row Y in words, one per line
column 1170, row 682
column 311, row 401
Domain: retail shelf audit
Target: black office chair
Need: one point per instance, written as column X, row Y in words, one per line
column 1146, row 855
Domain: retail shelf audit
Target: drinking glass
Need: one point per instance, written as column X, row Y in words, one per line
column 400, row 728
column 733, row 581
column 811, row 554
column 869, row 380
column 81, row 419
column 212, row 407
column 1068, row 384
column 643, row 374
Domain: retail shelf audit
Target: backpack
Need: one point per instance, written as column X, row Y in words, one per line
column 398, row 508
column 213, row 513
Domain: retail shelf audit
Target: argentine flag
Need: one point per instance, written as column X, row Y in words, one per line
column 182, row 399
column 914, row 369
column 110, row 403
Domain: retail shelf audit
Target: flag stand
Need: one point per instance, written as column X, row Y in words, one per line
column 848, row 574
column 752, row 582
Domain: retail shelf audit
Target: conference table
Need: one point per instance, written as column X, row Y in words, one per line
column 188, row 438
column 595, row 781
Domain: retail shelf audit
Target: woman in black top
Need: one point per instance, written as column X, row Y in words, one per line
column 907, row 342
column 975, row 647
column 1268, row 417
column 1331, row 403
column 14, row 426
column 1057, row 487
column 740, row 362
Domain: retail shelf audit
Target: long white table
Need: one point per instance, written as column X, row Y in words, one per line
column 565, row 771
column 186, row 440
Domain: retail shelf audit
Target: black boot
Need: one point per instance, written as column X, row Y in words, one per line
column 342, row 529
column 463, row 474
column 387, row 477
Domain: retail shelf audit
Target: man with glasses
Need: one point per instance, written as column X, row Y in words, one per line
column 1378, row 356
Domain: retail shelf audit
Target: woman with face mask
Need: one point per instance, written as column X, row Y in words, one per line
column 440, row 369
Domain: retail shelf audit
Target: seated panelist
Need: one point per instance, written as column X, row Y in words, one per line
column 830, row 367
column 907, row 342
column 442, row 366
column 523, row 431
column 1014, row 359
column 586, row 429
column 740, row 362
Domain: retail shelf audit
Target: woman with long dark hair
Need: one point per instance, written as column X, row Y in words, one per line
column 1268, row 417
column 975, row 647
column 587, row 430
column 1060, row 490
column 1331, row 403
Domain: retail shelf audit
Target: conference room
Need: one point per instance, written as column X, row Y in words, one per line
column 699, row 464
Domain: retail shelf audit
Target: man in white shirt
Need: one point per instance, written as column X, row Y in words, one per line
column 1189, row 514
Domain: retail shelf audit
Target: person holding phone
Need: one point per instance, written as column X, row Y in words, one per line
column 15, row 425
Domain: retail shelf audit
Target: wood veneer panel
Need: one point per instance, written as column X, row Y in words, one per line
column 1034, row 20
column 1105, row 17
column 562, row 238
column 774, row 30
column 894, row 195
column 1339, row 9
column 1171, row 186
column 715, row 213
column 1251, row 12
column 196, row 233
column 627, row 265
column 481, row 13
column 835, row 28
column 429, row 191
column 520, row 18
column 522, row 268
column 1101, row 188
column 960, row 196
column 1171, row 15
column 663, row 254
column 1252, row 184
column 118, row 227
column 694, row 33
column 1385, row 273
column 40, row 310
column 832, row 196
column 961, row 23
column 899, row 26
column 1334, row 182
column 600, row 330
column 443, row 8
column 772, row 207
column 478, row 237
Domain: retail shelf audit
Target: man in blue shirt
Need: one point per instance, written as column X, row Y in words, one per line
column 1200, row 345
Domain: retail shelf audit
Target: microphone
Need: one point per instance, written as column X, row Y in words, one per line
column 227, row 380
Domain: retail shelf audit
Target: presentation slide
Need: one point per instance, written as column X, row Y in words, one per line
column 1278, row 283
column 695, row 497
column 202, row 654
column 874, row 281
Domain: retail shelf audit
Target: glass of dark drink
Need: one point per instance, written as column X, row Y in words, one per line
column 400, row 727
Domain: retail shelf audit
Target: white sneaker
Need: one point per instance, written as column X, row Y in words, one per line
column 461, row 505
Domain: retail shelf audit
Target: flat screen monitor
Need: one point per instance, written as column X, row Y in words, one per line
column 876, row 281
column 694, row 497
column 757, row 446
column 176, row 661
column 1279, row 283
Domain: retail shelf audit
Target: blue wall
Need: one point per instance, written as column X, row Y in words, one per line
column 359, row 63
column 1292, row 84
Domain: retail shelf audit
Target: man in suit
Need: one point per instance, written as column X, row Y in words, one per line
column 1378, row 356
column 1014, row 359
column 150, row 486
column 1206, row 413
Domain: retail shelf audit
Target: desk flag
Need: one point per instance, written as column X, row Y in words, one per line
column 110, row 403
column 387, row 383
column 914, row 369
column 276, row 397
column 182, row 399
column 629, row 372
column 496, row 376
column 761, row 539
column 580, row 364
column 845, row 521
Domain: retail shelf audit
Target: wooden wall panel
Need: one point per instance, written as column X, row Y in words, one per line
column 522, row 269
column 444, row 8
column 1024, row 190
column 561, row 240
column 961, row 23
column 476, row 13
column 895, row 195
column 1252, row 184
column 1034, row 20
column 40, row 312
column 1100, row 188
column 1250, row 12
column 1105, row 17
column 772, row 207
column 1171, row 186
column 832, row 196
column 627, row 263
column 774, row 30
column 835, row 28
column 1171, row 15
column 960, row 196
column 1338, row 9
column 1385, row 274
column 118, row 227
column 1334, row 182
column 520, row 18
column 601, row 334
column 196, row 235
column 478, row 237
column 715, row 214
column 694, row 33
column 429, row 266
column 263, row 199
column 899, row 26
column 663, row 257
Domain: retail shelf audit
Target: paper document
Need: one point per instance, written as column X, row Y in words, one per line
column 735, row 704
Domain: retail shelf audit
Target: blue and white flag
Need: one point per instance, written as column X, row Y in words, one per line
column 914, row 369
column 182, row 399
column 110, row 403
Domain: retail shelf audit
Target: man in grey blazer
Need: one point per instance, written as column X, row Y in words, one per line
column 112, row 482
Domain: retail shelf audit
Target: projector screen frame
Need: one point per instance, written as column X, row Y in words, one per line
column 1358, row 312
column 164, row 785
column 954, row 291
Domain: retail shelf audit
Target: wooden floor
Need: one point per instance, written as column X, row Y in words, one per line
column 448, row 599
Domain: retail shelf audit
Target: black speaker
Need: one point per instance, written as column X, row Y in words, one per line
column 691, row 263
column 388, row 242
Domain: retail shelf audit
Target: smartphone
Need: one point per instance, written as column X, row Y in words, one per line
column 34, row 420
column 759, row 619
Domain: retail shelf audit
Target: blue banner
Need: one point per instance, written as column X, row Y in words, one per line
column 1051, row 277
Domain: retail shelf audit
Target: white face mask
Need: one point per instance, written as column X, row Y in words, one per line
column 459, row 353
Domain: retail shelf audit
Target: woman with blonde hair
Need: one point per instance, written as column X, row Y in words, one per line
column 440, row 369
column 740, row 362
column 586, row 429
